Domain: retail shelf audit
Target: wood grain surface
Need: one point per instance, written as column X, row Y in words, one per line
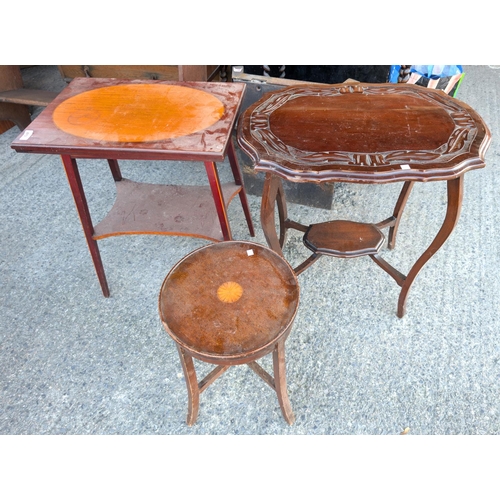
column 215, row 330
column 91, row 119
column 371, row 133
column 138, row 112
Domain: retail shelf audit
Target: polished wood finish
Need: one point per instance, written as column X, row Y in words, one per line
column 393, row 222
column 343, row 238
column 117, row 119
column 76, row 186
column 228, row 304
column 208, row 144
column 239, row 331
column 363, row 133
column 138, row 113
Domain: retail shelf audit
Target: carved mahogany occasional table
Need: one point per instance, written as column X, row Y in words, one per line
column 362, row 133
column 229, row 304
column 112, row 119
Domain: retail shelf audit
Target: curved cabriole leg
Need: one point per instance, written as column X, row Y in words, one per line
column 455, row 195
column 280, row 382
column 273, row 193
column 192, row 385
column 282, row 212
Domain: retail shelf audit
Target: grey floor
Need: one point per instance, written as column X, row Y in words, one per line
column 73, row 362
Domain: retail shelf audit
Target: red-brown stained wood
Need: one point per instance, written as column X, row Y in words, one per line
column 209, row 143
column 264, row 297
column 363, row 133
column 142, row 208
column 138, row 112
column 116, row 119
column 343, row 238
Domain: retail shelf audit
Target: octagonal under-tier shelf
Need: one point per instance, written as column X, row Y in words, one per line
column 343, row 238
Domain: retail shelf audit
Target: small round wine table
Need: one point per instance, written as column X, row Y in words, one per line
column 230, row 303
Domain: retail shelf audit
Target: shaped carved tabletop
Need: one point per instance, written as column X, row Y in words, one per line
column 365, row 133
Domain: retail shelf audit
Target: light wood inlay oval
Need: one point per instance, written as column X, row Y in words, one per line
column 138, row 112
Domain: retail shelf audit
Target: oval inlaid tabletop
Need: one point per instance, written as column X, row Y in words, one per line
column 138, row 112
column 229, row 299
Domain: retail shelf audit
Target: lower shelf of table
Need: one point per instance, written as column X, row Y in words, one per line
column 343, row 238
column 142, row 208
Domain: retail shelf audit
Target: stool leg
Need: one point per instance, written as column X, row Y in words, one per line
column 192, row 386
column 280, row 381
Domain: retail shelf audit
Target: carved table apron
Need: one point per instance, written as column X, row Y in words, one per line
column 362, row 133
column 112, row 119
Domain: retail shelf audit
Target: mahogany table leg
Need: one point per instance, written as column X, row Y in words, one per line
column 76, row 186
column 192, row 385
column 115, row 169
column 282, row 212
column 213, row 179
column 239, row 181
column 273, row 193
column 455, row 196
column 280, row 381
column 398, row 212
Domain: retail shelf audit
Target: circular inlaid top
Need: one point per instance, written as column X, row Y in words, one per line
column 229, row 301
column 138, row 112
